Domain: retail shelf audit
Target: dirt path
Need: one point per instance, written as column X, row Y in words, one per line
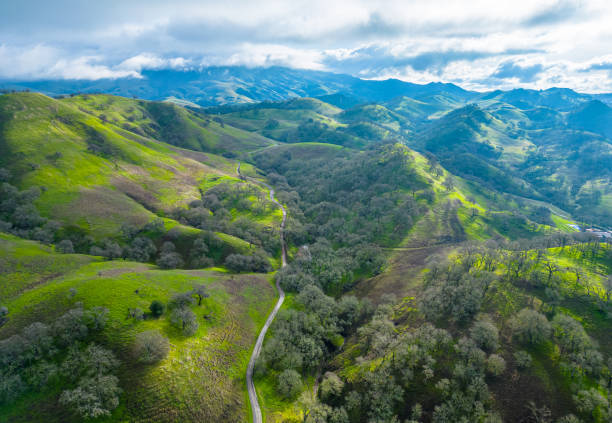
column 255, row 408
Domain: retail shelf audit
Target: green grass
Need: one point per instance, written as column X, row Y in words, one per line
column 140, row 180
column 203, row 377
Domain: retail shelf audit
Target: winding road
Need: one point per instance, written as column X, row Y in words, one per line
column 255, row 408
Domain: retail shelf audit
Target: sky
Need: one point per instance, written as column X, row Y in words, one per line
column 476, row 44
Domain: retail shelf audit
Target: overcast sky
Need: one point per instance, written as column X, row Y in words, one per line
column 476, row 44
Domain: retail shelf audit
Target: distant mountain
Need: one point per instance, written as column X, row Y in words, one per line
column 593, row 116
column 236, row 84
column 556, row 98
column 222, row 85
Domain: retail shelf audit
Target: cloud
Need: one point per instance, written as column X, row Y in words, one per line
column 151, row 61
column 559, row 11
column 477, row 44
column 44, row 62
column 511, row 70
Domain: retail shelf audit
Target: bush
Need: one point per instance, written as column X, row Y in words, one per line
column 150, row 346
column 289, row 383
column 157, row 308
column 496, row 365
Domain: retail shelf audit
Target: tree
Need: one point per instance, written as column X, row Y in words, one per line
column 184, row 319
column 93, row 361
column 485, row 335
column 169, row 258
column 181, row 299
column 93, row 397
column 136, row 313
column 201, row 292
column 157, row 308
column 530, row 327
column 523, row 359
column 496, row 365
column 65, row 246
column 150, row 346
column 331, row 387
column 70, row 327
column 5, row 174
column 608, row 288
column 140, row 249
column 3, row 315
column 289, row 383
column 449, row 183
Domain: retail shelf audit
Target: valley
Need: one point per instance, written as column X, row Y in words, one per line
column 333, row 250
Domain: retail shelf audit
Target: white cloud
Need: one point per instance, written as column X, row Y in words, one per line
column 419, row 40
column 152, row 61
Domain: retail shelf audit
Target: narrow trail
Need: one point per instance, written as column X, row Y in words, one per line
column 255, row 408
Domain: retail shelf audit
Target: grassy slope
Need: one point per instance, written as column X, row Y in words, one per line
column 203, row 377
column 142, row 177
column 169, row 123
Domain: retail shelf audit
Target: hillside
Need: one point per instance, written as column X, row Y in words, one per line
column 439, row 269
column 210, row 360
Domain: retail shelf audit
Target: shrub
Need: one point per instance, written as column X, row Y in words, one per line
column 157, row 308
column 289, row 383
column 150, row 346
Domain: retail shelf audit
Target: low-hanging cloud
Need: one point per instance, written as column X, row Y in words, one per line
column 476, row 44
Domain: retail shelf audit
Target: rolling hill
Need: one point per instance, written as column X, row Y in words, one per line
column 439, row 267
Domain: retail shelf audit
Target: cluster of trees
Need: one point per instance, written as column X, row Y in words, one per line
column 18, row 214
column 302, row 339
column 243, row 263
column 60, row 354
column 331, row 270
column 214, row 213
column 581, row 360
column 397, row 370
column 181, row 315
column 456, row 290
column 349, row 197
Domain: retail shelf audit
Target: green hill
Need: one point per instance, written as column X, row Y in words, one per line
column 41, row 285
